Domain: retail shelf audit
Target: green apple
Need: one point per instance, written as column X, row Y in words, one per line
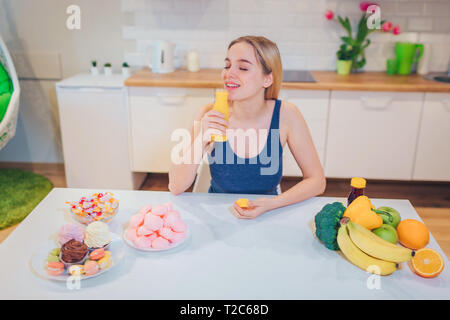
column 389, row 215
column 387, row 232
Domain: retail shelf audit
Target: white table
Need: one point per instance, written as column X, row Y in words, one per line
column 272, row 257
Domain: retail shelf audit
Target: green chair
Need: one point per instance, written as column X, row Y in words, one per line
column 9, row 96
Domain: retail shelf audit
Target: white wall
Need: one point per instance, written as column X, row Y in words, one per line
column 305, row 38
column 45, row 51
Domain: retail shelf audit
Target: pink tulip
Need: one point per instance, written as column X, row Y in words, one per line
column 396, row 30
column 364, row 5
column 329, row 14
column 387, row 26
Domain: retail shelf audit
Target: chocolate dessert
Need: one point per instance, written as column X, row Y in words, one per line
column 73, row 251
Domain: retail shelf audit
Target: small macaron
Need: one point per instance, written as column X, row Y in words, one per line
column 131, row 234
column 152, row 236
column 152, row 222
column 144, row 231
column 52, row 258
column 160, row 210
column 97, row 254
column 143, row 242
column 178, row 236
column 76, row 270
column 91, row 268
column 167, row 233
column 160, row 243
column 55, row 268
column 179, row 226
column 136, row 220
column 242, row 202
column 55, row 252
column 145, row 209
column 106, row 261
column 170, row 219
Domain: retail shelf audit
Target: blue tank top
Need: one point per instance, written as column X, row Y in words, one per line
column 257, row 175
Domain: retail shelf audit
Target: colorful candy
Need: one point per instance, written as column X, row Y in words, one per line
column 98, row 207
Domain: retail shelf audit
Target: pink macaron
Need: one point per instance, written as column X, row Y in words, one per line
column 160, row 243
column 159, row 210
column 55, row 268
column 90, row 268
column 153, row 222
column 144, row 231
column 131, row 234
column 174, row 213
column 145, row 209
column 167, row 233
column 97, row 254
column 136, row 220
column 178, row 236
column 170, row 219
column 152, row 236
column 143, row 243
column 179, row 226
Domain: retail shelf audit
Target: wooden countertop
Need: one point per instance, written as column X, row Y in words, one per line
column 326, row 80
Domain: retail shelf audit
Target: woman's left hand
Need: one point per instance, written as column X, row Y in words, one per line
column 255, row 208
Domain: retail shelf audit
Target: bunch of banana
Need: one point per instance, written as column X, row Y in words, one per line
column 368, row 251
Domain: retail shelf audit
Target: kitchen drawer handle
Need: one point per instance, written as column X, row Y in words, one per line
column 171, row 99
column 375, row 104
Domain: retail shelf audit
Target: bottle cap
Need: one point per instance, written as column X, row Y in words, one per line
column 358, row 183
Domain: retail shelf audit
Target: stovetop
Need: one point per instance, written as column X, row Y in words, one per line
column 297, row 76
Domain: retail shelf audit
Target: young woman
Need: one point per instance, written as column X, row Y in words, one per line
column 252, row 76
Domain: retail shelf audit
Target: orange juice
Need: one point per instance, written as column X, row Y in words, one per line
column 221, row 105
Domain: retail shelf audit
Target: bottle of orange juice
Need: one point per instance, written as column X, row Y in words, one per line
column 221, row 105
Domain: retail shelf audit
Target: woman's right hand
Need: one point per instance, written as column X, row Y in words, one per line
column 212, row 123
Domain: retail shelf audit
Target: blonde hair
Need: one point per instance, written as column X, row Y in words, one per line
column 269, row 57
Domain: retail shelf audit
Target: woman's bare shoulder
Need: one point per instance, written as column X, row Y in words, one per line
column 290, row 114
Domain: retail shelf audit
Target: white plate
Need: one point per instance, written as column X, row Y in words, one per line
column 171, row 246
column 39, row 259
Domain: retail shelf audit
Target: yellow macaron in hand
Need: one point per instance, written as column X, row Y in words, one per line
column 242, row 202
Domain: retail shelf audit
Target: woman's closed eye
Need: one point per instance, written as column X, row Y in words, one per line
column 240, row 68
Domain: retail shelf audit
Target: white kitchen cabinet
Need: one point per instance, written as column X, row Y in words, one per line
column 433, row 148
column 94, row 130
column 155, row 113
column 313, row 104
column 372, row 134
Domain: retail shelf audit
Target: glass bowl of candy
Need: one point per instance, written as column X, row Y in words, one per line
column 98, row 207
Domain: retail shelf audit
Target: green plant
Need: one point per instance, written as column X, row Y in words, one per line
column 327, row 224
column 345, row 52
column 125, row 65
column 354, row 45
column 94, row 63
column 106, row 65
column 359, row 42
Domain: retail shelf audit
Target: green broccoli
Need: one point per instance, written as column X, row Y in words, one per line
column 327, row 224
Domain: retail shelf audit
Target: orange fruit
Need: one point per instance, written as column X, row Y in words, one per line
column 413, row 234
column 427, row 263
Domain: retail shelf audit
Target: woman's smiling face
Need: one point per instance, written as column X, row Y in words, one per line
column 243, row 74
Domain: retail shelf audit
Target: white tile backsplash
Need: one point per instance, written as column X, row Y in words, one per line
column 305, row 38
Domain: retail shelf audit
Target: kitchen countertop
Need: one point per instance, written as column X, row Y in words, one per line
column 326, row 80
column 272, row 257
